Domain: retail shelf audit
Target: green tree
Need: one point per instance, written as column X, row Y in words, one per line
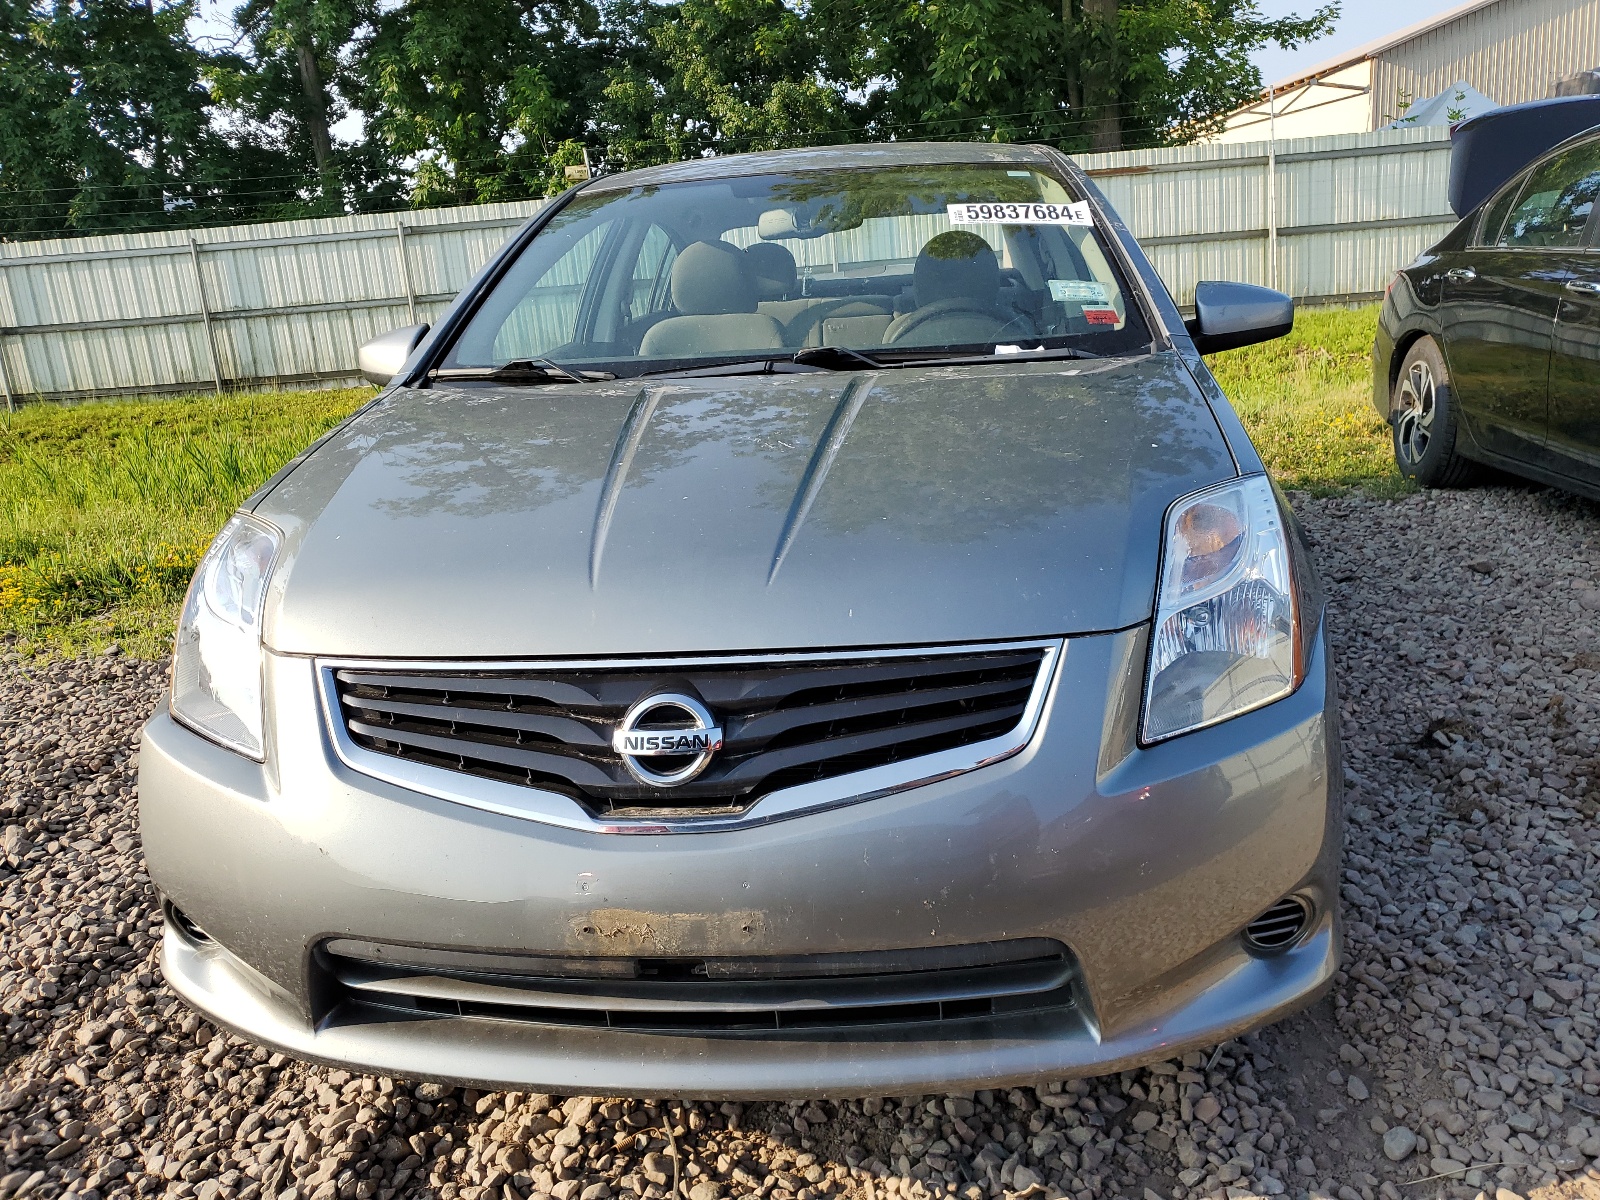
column 490, row 98
column 716, row 75
column 293, row 85
column 41, row 130
column 104, row 114
column 112, row 118
column 722, row 76
column 1084, row 74
column 107, row 122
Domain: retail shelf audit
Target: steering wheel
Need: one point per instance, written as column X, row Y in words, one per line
column 958, row 307
column 1021, row 325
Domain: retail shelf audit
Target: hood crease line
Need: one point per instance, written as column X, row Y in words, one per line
column 622, row 455
column 816, row 472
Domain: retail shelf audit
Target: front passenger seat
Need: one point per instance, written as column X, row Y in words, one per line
column 715, row 291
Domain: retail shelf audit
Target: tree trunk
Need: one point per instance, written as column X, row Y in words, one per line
column 316, row 106
column 1072, row 57
column 1100, row 85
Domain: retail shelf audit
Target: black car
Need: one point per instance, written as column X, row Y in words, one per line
column 1488, row 345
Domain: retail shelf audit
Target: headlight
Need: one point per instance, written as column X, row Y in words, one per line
column 1226, row 631
column 216, row 666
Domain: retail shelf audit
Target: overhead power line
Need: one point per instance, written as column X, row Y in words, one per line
column 161, row 213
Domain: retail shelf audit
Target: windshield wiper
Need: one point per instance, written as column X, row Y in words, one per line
column 545, row 370
column 939, row 359
column 842, row 358
column 837, row 358
column 825, row 358
column 742, row 366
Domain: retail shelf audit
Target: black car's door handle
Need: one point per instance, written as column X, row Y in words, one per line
column 1584, row 287
column 1461, row 274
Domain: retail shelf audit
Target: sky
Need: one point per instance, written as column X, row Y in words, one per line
column 1359, row 21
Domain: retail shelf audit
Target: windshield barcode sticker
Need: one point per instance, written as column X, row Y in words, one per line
column 1021, row 214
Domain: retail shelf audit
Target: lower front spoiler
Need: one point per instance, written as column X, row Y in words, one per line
column 1230, row 994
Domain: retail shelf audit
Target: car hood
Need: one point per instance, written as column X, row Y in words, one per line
column 903, row 507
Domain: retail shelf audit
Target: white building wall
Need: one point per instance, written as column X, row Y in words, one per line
column 1339, row 103
column 1512, row 51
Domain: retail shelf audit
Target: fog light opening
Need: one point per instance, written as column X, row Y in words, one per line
column 181, row 922
column 1279, row 927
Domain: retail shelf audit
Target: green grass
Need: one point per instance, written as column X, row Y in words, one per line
column 106, row 508
column 1307, row 401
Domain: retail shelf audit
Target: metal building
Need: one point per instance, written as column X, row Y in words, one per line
column 1511, row 51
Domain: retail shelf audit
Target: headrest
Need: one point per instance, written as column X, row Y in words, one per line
column 774, row 269
column 710, row 278
column 956, row 265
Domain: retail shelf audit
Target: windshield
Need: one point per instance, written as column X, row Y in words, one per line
column 897, row 263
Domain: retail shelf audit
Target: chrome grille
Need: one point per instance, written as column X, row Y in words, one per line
column 785, row 723
column 734, row 995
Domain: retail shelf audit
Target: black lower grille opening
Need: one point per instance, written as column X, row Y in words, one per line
column 1280, row 926
column 784, row 724
column 733, row 996
column 955, row 1010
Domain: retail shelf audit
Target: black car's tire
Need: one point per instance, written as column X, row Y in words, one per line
column 1423, row 419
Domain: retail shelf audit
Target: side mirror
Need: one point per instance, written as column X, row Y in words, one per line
column 380, row 359
column 1230, row 315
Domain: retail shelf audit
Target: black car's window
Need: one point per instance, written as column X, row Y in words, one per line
column 1553, row 209
column 954, row 258
column 1494, row 216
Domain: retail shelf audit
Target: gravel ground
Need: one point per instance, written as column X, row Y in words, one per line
column 1457, row 1054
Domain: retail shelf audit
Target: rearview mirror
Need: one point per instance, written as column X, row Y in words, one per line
column 1230, row 315
column 380, row 359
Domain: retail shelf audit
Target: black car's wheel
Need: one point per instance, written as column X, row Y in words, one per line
column 1424, row 421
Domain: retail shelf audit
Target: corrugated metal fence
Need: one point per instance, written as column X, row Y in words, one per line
column 241, row 306
column 1339, row 214
column 1325, row 219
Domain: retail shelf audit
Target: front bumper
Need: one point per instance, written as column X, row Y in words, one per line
column 1146, row 863
column 1383, row 366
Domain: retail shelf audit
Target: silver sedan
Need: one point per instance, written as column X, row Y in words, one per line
column 798, row 624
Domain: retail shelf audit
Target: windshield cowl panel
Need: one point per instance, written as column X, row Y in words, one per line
column 842, row 269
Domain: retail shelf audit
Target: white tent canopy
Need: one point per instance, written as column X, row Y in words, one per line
column 1456, row 103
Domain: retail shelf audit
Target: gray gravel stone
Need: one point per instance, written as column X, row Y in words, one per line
column 1398, row 1143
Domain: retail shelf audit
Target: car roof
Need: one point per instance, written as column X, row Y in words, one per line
column 1496, row 146
column 812, row 158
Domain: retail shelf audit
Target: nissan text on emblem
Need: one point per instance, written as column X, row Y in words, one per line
column 677, row 733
